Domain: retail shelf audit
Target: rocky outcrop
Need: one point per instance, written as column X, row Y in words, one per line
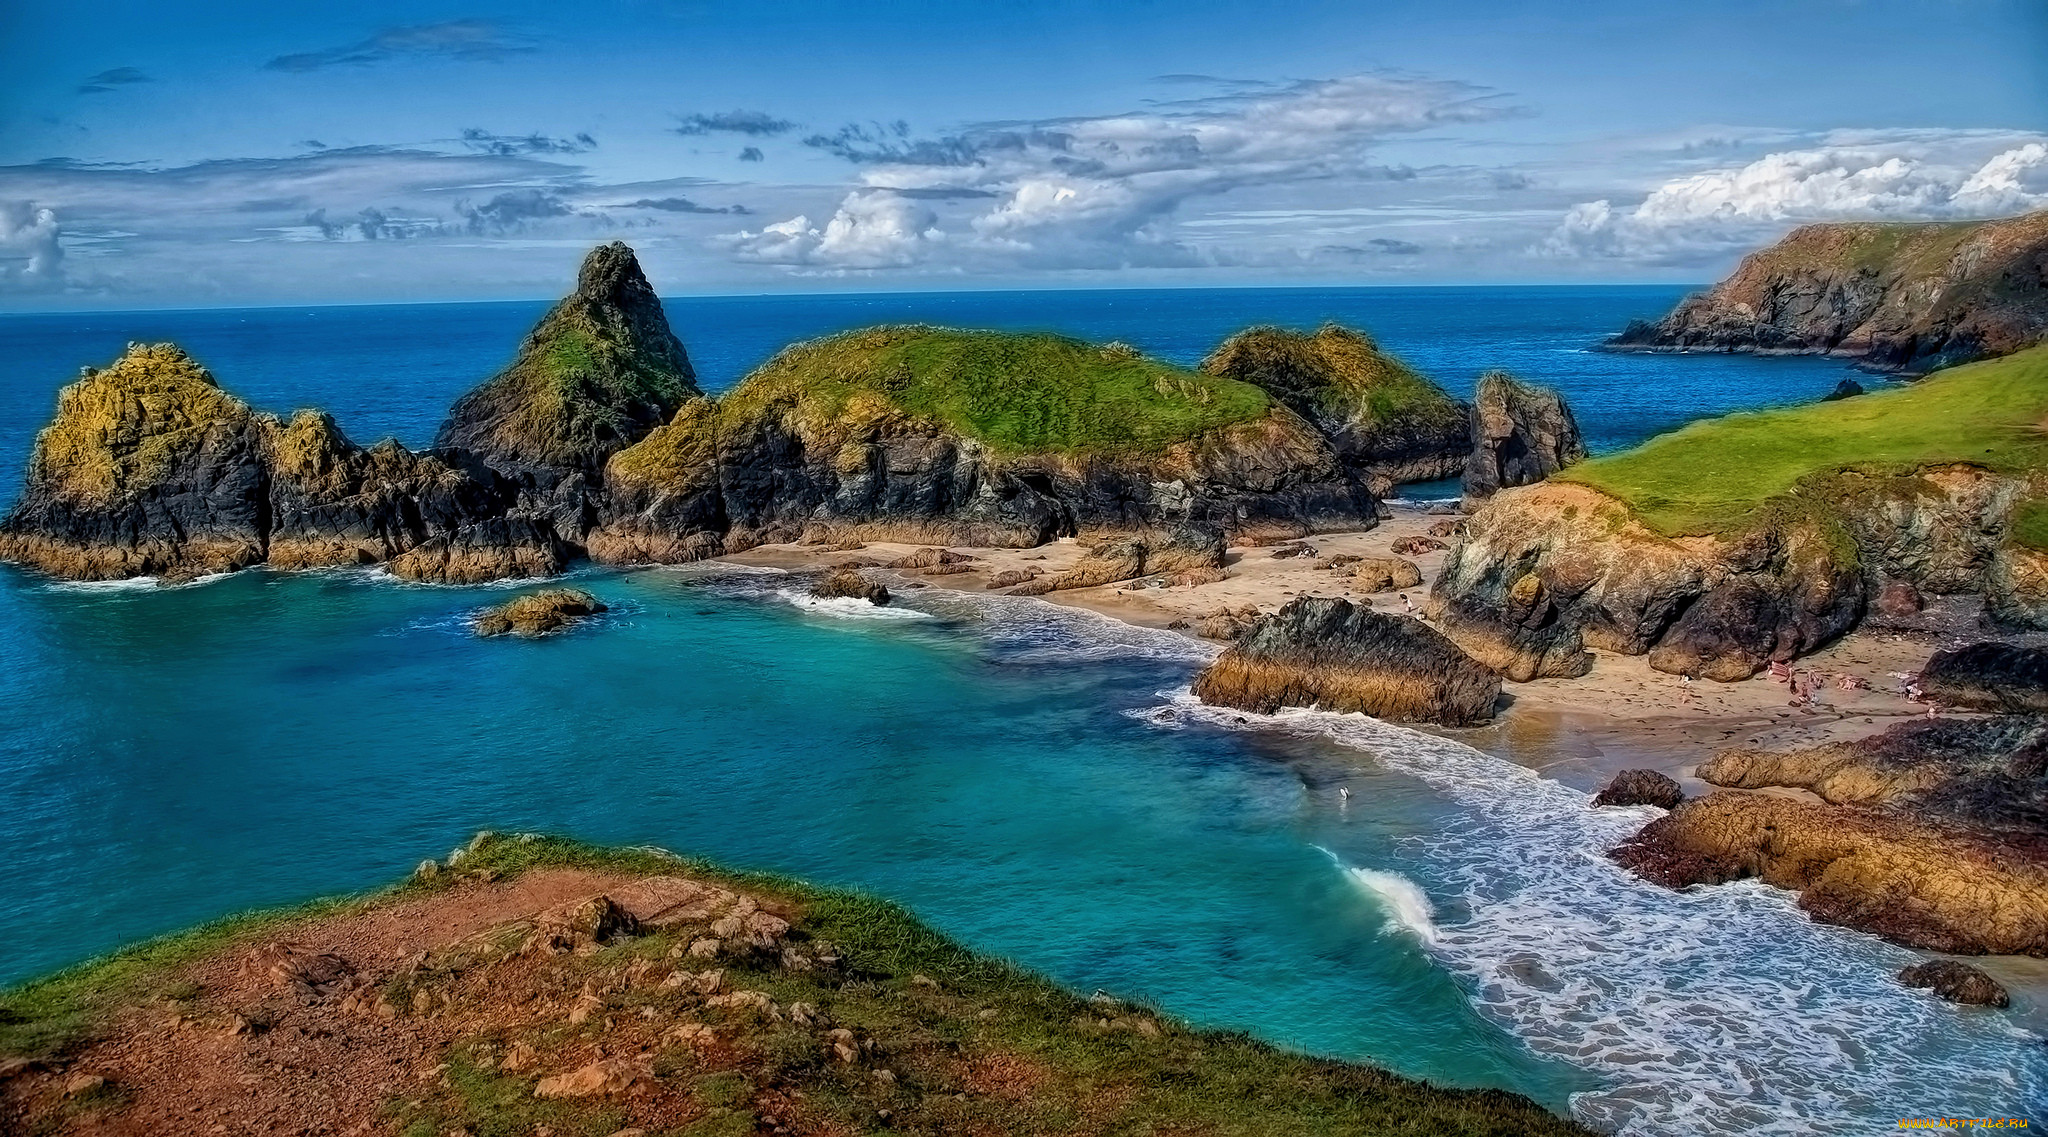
column 598, row 373
column 1988, row 677
column 1989, row 774
column 537, row 613
column 848, row 583
column 1389, row 425
column 1800, row 573
column 1957, row 983
column 1896, row 296
column 1921, row 885
column 1319, row 652
column 1640, row 787
column 1521, row 434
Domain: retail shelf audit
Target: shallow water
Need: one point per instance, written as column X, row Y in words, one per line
column 1030, row 779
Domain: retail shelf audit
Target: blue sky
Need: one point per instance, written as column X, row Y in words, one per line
column 170, row 153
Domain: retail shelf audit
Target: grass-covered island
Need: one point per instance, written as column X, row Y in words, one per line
column 535, row 985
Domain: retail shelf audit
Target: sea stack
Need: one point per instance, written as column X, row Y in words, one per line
column 1521, row 434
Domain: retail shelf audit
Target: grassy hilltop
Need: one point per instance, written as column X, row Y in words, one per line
column 903, row 1032
column 1711, row 476
column 1018, row 393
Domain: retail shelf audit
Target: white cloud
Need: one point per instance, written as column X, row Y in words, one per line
column 870, row 230
column 1104, row 191
column 1703, row 214
column 31, row 254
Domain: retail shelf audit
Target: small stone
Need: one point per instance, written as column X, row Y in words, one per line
column 78, row 1084
column 585, row 1006
column 519, row 1056
column 428, row 870
column 706, row 948
column 604, row 1077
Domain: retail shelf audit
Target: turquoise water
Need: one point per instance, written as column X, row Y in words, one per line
column 1029, row 779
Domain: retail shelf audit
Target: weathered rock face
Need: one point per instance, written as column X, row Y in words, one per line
column 1722, row 607
column 1319, row 652
column 1921, row 885
column 1898, row 296
column 1388, row 424
column 149, row 468
column 1957, row 983
column 597, row 374
column 1989, row 677
column 1641, row 787
column 537, row 613
column 1521, row 434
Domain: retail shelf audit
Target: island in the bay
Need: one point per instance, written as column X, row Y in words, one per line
column 1245, row 500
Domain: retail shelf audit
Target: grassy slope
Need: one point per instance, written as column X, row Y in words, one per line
column 1099, row 1079
column 1711, row 476
column 1017, row 393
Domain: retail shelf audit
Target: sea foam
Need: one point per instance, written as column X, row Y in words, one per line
column 1717, row 1010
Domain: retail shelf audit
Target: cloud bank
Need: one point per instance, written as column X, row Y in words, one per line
column 468, row 41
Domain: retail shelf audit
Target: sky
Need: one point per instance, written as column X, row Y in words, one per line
column 166, row 153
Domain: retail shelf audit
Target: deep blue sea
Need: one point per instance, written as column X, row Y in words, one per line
column 1032, row 780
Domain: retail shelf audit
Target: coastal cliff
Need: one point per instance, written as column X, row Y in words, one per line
column 1898, row 296
column 532, row 985
column 1731, row 543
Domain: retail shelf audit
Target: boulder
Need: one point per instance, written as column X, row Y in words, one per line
column 579, row 925
column 1319, row 652
column 1385, row 574
column 607, row 1076
column 929, row 558
column 1106, row 563
column 538, row 612
column 1188, row 549
column 1846, row 389
column 1521, row 434
column 1227, row 624
column 1641, row 787
column 849, row 582
column 1417, row 545
column 1934, row 887
column 1956, row 982
column 1988, row 677
column 1521, row 636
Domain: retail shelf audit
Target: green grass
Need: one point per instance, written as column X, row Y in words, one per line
column 1717, row 475
column 1016, row 393
column 1092, row 1078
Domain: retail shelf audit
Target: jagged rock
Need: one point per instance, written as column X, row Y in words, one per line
column 1417, row 545
column 149, row 468
column 1521, row 636
column 1988, row 677
column 335, row 503
column 1389, row 424
column 1641, row 787
column 928, row 558
column 1900, row 296
column 1326, row 653
column 850, row 583
column 663, row 501
column 1188, row 549
column 1521, row 434
column 1846, row 389
column 1226, row 624
column 606, row 1076
column 580, row 924
column 599, row 373
column 538, row 612
column 1898, row 600
column 1385, row 574
column 1957, row 983
column 1926, row 886
column 1011, row 578
column 501, row 548
column 1107, row 563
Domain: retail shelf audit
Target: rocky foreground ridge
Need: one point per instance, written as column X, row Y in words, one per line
column 1897, row 296
column 596, row 442
column 533, row 986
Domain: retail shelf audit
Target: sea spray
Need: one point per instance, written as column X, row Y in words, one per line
column 1406, row 906
column 1721, row 1010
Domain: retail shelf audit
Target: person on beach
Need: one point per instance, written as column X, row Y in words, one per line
column 1407, row 605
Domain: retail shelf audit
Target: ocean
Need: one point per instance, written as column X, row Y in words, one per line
column 1032, row 780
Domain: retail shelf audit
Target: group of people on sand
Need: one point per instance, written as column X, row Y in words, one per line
column 1806, row 683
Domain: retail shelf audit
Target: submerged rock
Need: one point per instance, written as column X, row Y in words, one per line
column 1956, row 982
column 848, row 582
column 1521, row 434
column 1326, row 653
column 1641, row 787
column 538, row 612
column 1988, row 677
